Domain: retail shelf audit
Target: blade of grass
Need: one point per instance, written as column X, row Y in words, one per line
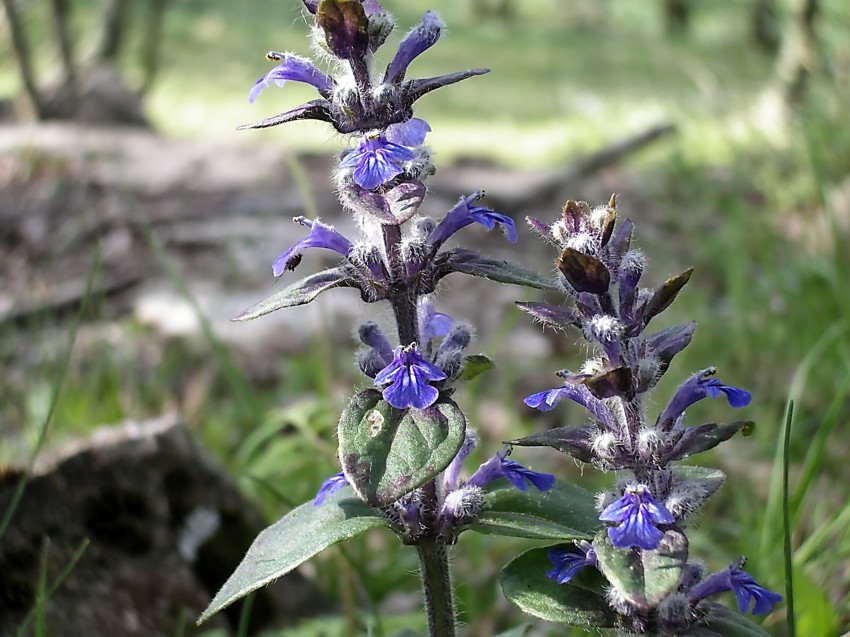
column 44, row 592
column 786, row 515
column 245, row 616
column 54, row 399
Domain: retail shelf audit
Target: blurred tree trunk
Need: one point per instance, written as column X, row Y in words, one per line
column 677, row 16
column 798, row 54
column 151, row 43
column 764, row 25
column 113, row 30
column 61, row 22
column 23, row 56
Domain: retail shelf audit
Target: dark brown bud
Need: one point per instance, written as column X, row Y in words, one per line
column 584, row 272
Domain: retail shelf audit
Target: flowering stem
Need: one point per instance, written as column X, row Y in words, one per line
column 402, row 299
column 436, row 580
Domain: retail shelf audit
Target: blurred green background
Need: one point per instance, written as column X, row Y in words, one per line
column 753, row 190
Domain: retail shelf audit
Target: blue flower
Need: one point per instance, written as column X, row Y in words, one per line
column 636, row 514
column 546, row 401
column 421, row 38
column 500, row 467
column 569, row 561
column 432, row 324
column 465, row 213
column 321, row 236
column 752, row 598
column 697, row 387
column 295, row 68
column 410, row 133
column 452, row 472
column 376, row 161
column 408, row 377
column 329, row 487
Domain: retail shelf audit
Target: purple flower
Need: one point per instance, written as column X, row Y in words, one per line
column 421, row 38
column 329, row 487
column 452, row 472
column 636, row 514
column 410, row 133
column 500, row 467
column 408, row 377
column 697, row 387
column 376, row 161
column 546, row 401
column 465, row 213
column 321, row 236
column 569, row 561
column 295, row 68
column 432, row 323
column 751, row 596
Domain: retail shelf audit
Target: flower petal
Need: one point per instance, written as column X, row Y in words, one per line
column 329, row 487
column 421, row 38
column 296, row 68
column 321, row 236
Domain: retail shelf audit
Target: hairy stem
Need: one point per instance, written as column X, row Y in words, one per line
column 402, row 299
column 436, row 580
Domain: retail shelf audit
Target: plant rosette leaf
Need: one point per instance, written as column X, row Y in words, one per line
column 722, row 622
column 643, row 577
column 299, row 293
column 563, row 512
column 524, row 582
column 302, row 533
column 387, row 452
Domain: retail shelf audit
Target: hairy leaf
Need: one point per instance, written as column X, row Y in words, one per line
column 524, row 583
column 643, row 577
column 563, row 512
column 470, row 262
column 295, row 538
column 299, row 293
column 387, row 452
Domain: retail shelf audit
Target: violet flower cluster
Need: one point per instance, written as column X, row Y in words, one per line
column 649, row 510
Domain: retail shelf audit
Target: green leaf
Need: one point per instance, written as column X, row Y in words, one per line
column 476, row 365
column 299, row 535
column 563, row 512
column 643, row 577
column 470, row 262
column 386, row 452
column 722, row 622
column 299, row 293
column 708, row 480
column 524, row 583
